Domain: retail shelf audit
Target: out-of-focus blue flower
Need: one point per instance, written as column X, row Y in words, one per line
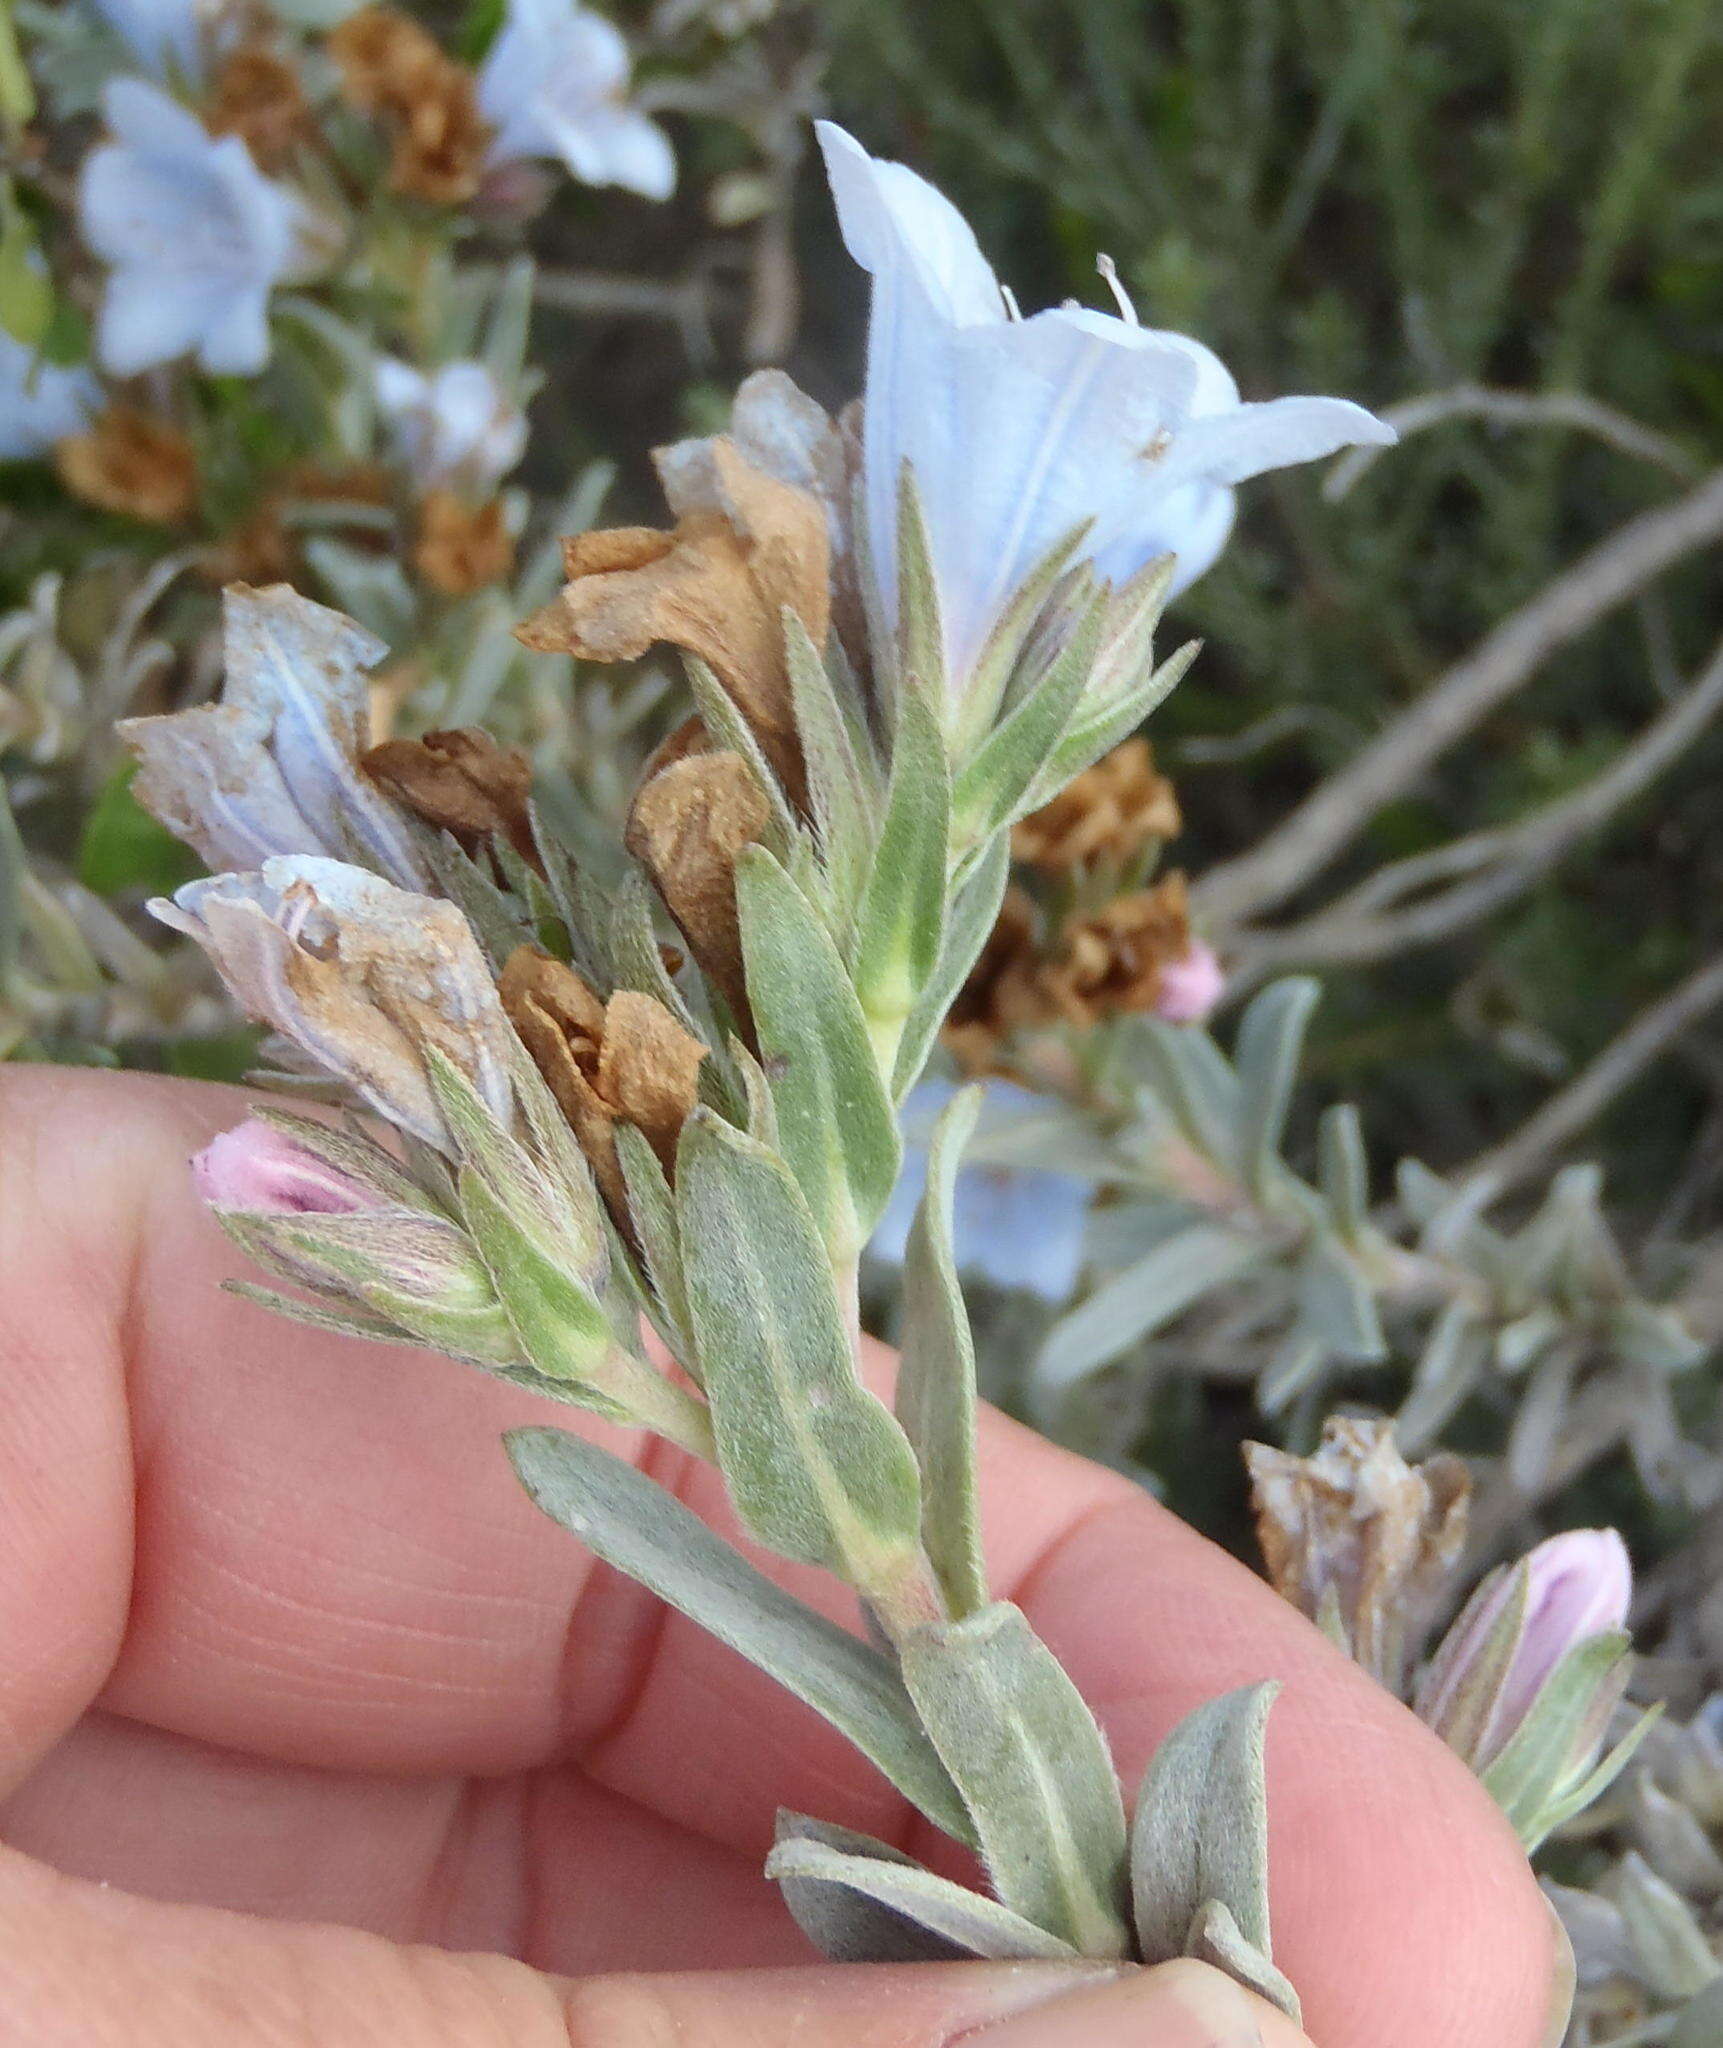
column 1019, row 430
column 195, row 235
column 453, row 426
column 1014, row 1226
column 555, row 84
column 163, row 35
column 39, row 402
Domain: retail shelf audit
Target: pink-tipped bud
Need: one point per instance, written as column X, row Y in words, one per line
column 1515, row 1631
column 259, row 1168
column 1190, row 988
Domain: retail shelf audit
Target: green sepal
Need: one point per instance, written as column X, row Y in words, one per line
column 562, row 1326
column 838, row 794
column 920, row 630
column 973, row 914
column 1033, row 1769
column 835, row 1119
column 936, row 1379
column 816, row 1466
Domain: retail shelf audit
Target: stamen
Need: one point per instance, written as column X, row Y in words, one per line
column 1110, row 277
column 1012, row 308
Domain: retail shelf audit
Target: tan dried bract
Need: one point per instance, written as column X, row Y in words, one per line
column 627, row 1060
column 1109, row 962
column 688, row 825
column 461, row 782
column 258, row 97
column 390, row 66
column 1361, row 1541
column 1113, row 812
column 128, row 461
column 716, row 586
column 462, row 548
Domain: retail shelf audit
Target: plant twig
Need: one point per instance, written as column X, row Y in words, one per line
column 1340, row 809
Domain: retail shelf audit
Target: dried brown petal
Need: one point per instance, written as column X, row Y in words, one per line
column 745, row 547
column 1112, row 812
column 625, row 1061
column 389, row 65
column 258, row 97
column 1109, row 962
column 687, row 827
column 382, row 57
column 1355, row 1536
column 130, row 462
column 461, row 548
column 460, row 782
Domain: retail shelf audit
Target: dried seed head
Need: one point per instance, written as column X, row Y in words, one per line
column 1111, row 814
column 623, row 1061
column 1358, row 1539
column 689, row 823
column 461, row 782
column 258, row 97
column 389, row 65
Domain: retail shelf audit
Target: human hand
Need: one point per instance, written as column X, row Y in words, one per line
column 333, row 1735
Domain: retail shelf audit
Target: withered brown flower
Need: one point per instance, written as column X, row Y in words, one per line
column 687, row 827
column 258, row 97
column 745, row 547
column 1112, row 812
column 462, row 548
column 623, row 1061
column 1358, row 1539
column 390, row 66
column 461, row 782
column 1109, row 962
column 128, row 461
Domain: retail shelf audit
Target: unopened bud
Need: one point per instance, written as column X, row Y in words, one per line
column 259, row 1167
column 1190, row 987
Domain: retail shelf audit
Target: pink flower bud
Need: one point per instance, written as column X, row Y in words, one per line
column 1486, row 1676
column 259, row 1168
column 1190, row 988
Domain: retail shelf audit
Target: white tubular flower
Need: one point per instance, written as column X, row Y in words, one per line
column 273, row 769
column 195, row 234
column 553, row 85
column 39, row 402
column 364, row 977
column 453, row 426
column 1017, row 431
column 165, row 36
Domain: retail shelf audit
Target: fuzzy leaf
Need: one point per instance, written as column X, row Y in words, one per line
column 815, row 1464
column 974, row 912
column 1343, row 1169
column 839, row 1135
column 652, row 1209
column 1270, row 1040
column 868, row 1905
column 1215, row 1939
column 837, row 791
column 1033, row 1769
column 1201, row 1828
column 1096, row 732
column 936, row 1381
column 920, row 633
column 638, row 1528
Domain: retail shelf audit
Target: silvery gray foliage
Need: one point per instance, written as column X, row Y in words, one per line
column 1293, row 1277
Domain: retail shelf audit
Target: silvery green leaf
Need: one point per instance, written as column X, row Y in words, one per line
column 731, row 731
column 1300, row 1362
column 1449, row 1367
column 1191, row 1076
column 762, row 1118
column 992, row 786
column 900, row 926
column 837, row 793
column 1201, row 1826
column 560, row 1322
column 815, row 1464
column 1215, row 1939
column 936, row 1380
column 1266, row 1056
column 878, row 1906
column 1655, row 1338
column 637, row 1528
column 1094, row 733
column 1336, row 1303
column 1701, row 2025
column 504, row 349
column 1343, row 1169
column 1034, row 1771
column 993, row 670
column 839, row 1134
column 1672, row 1839
column 973, row 914
column 1136, row 1303
column 1669, row 1947
column 371, row 588
column 652, row 1210
column 920, row 633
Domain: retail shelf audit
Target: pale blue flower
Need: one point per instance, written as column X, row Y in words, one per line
column 40, row 403
column 453, row 426
column 195, row 234
column 1013, row 1226
column 1018, row 430
column 165, row 36
column 554, row 85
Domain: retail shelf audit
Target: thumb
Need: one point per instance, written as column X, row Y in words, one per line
column 84, row 1966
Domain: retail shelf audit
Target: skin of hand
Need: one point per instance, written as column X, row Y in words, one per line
column 314, row 1733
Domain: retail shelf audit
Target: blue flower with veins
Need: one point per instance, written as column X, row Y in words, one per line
column 554, row 85
column 196, row 237
column 1019, row 431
